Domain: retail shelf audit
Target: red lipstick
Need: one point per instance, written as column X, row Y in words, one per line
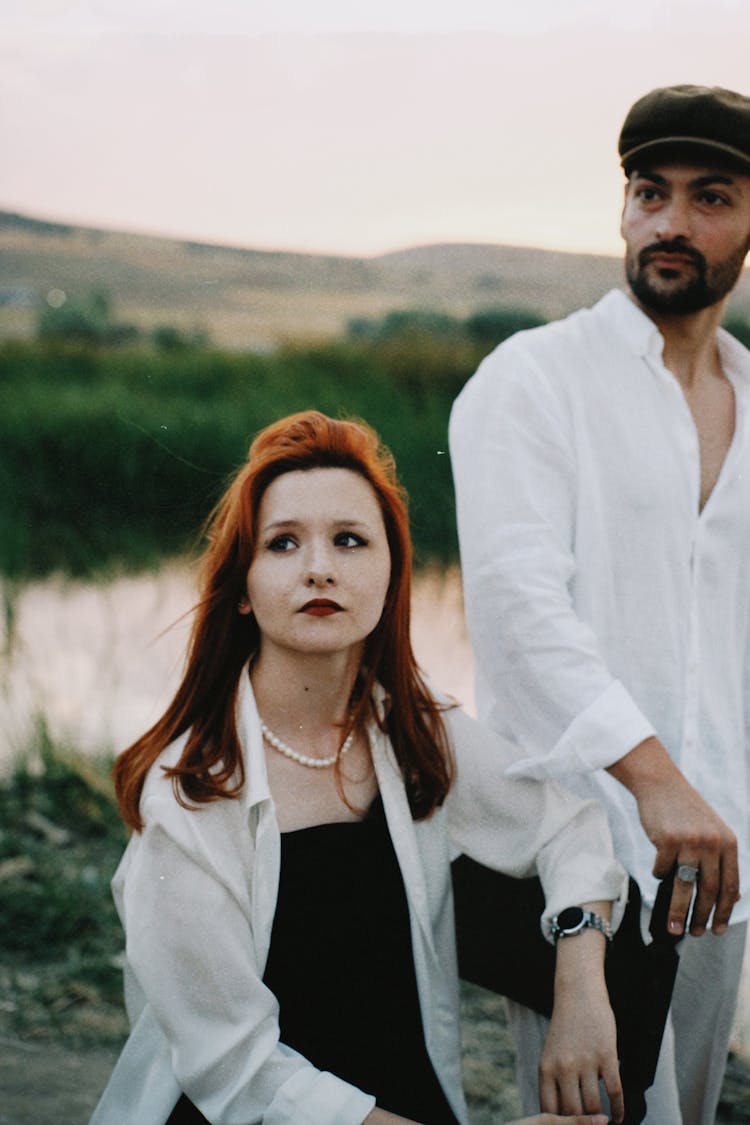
column 320, row 607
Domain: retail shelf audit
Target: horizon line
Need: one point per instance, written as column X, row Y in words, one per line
column 10, row 210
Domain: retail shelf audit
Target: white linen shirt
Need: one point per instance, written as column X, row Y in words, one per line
column 603, row 606
column 196, row 892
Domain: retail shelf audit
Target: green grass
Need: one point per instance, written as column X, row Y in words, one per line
column 60, row 938
column 113, row 458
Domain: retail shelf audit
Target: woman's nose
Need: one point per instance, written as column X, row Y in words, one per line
column 321, row 569
column 317, row 578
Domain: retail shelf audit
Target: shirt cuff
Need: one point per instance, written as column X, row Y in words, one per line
column 606, row 731
column 609, row 884
column 313, row 1097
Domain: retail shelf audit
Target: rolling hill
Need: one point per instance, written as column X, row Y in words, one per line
column 246, row 298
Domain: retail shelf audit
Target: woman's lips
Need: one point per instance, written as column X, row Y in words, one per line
column 320, row 607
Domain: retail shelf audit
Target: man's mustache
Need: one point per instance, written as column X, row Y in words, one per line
column 676, row 247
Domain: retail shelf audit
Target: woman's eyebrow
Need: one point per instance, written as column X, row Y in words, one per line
column 292, row 522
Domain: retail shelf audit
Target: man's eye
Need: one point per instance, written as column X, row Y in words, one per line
column 712, row 198
column 349, row 539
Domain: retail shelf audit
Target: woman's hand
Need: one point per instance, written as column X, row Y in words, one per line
column 555, row 1119
column 383, row 1117
column 581, row 1044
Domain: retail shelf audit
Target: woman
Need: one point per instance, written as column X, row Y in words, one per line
column 286, row 891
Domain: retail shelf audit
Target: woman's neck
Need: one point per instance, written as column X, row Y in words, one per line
column 305, row 702
column 302, row 693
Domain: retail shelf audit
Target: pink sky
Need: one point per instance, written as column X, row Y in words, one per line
column 353, row 134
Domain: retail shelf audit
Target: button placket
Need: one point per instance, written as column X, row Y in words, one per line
column 685, row 431
column 686, row 436
column 689, row 753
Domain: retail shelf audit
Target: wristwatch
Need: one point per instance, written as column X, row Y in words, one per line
column 574, row 919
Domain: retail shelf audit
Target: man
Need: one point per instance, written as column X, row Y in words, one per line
column 602, row 469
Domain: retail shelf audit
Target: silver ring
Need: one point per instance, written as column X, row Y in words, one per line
column 687, row 872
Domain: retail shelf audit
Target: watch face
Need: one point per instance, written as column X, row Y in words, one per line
column 570, row 918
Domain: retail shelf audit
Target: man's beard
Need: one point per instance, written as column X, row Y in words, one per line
column 703, row 288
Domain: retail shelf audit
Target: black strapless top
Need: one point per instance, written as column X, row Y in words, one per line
column 341, row 966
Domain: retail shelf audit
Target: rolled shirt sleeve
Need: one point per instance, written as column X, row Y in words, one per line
column 516, row 475
column 524, row 827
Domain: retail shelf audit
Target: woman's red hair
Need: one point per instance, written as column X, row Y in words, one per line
column 222, row 640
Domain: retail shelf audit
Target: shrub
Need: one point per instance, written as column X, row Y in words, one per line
column 113, row 458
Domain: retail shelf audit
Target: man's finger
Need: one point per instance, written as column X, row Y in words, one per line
column 664, row 861
column 708, row 885
column 682, row 894
column 730, row 890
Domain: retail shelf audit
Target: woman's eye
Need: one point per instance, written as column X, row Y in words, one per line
column 349, row 539
column 282, row 543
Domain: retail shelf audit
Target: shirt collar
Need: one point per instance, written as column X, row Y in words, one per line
column 643, row 338
column 638, row 331
column 256, row 788
column 735, row 360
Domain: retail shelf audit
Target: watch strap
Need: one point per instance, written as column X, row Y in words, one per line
column 586, row 919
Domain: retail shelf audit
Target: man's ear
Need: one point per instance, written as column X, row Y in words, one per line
column 624, row 205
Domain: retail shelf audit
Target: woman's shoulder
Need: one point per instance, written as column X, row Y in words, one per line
column 157, row 785
column 474, row 744
column 164, row 800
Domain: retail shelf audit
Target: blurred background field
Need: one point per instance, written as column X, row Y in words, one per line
column 135, row 370
column 133, row 373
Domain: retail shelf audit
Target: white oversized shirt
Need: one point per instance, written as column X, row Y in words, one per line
column 196, row 892
column 602, row 604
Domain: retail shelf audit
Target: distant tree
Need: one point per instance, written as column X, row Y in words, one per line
column 411, row 322
column 484, row 328
column 86, row 319
column 120, row 333
column 168, row 338
column 739, row 327
column 361, row 328
column 400, row 324
column 491, row 326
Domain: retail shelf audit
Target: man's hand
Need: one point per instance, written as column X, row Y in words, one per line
column 685, row 831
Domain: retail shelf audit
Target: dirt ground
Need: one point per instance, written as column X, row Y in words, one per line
column 44, row 1084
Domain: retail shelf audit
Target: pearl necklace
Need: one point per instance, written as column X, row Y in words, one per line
column 303, row 759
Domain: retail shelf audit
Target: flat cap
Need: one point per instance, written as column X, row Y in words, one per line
column 705, row 120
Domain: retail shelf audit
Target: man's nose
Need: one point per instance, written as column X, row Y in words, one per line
column 674, row 221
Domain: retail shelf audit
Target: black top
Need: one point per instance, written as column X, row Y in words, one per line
column 341, row 966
